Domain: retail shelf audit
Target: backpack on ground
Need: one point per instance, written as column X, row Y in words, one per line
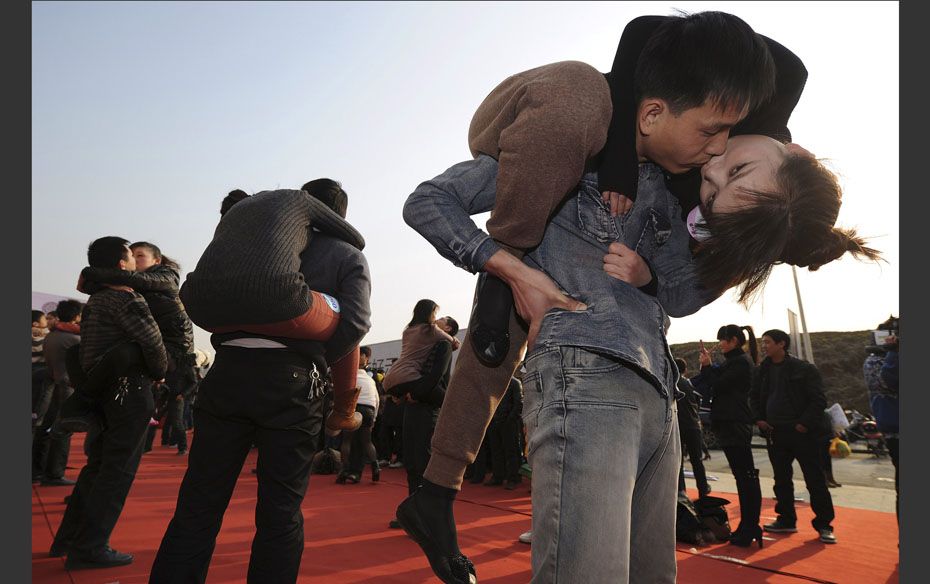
column 712, row 514
column 689, row 527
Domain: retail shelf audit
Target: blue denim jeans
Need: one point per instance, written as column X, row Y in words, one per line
column 605, row 453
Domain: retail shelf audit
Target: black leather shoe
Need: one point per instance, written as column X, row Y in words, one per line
column 454, row 568
column 59, row 482
column 492, row 482
column 490, row 320
column 105, row 558
column 745, row 537
column 58, row 550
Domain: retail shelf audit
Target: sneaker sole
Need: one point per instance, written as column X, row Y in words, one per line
column 78, row 565
column 781, row 529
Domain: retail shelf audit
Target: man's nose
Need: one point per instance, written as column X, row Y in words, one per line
column 718, row 144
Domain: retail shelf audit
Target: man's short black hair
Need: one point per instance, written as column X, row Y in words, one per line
column 705, row 57
column 68, row 310
column 365, row 350
column 682, row 364
column 36, row 315
column 231, row 199
column 107, row 252
column 453, row 325
column 330, row 193
column 779, row 336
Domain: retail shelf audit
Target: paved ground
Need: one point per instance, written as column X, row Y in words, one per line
column 868, row 482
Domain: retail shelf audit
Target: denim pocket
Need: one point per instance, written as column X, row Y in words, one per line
column 532, row 401
column 594, row 217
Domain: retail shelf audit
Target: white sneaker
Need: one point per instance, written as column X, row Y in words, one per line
column 826, row 535
column 396, row 464
column 526, row 537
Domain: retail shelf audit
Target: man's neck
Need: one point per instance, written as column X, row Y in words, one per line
column 779, row 360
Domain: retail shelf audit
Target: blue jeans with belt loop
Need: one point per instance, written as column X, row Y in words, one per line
column 605, row 453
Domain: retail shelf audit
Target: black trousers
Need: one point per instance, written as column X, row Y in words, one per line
column 181, row 380
column 391, row 430
column 786, row 446
column 892, row 444
column 50, row 447
column 692, row 439
column 357, row 447
column 113, row 455
column 419, row 423
column 504, row 442
column 260, row 396
column 173, row 430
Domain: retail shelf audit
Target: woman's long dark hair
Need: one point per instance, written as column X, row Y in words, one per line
column 793, row 225
column 732, row 331
column 423, row 312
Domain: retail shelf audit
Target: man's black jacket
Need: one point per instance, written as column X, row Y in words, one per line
column 805, row 391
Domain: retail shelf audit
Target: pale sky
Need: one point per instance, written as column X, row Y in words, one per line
column 145, row 115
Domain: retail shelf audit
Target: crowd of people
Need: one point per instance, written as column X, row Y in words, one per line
column 617, row 200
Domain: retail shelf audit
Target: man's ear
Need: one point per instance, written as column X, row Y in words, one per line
column 649, row 114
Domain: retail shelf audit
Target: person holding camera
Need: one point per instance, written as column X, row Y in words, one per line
column 881, row 378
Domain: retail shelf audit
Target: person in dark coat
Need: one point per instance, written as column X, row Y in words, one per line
column 731, row 421
column 787, row 403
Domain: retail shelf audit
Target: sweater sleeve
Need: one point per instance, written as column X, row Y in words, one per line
column 355, row 311
column 560, row 123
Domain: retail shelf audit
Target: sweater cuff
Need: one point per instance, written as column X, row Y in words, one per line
column 652, row 288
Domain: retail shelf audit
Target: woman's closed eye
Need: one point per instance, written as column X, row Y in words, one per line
column 736, row 169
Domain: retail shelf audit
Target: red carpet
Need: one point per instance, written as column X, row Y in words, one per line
column 364, row 549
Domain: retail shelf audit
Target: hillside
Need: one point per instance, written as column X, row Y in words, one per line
column 838, row 356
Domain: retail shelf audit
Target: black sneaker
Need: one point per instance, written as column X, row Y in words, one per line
column 58, row 550
column 59, row 482
column 105, row 558
column 779, row 526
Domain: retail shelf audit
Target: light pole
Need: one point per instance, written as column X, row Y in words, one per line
column 809, row 353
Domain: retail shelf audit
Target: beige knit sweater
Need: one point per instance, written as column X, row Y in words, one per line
column 544, row 126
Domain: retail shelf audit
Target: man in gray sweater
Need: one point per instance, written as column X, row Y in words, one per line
column 262, row 389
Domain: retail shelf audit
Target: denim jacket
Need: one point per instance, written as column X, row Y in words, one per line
column 621, row 320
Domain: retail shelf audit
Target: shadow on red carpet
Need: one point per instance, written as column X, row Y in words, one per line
column 347, row 539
